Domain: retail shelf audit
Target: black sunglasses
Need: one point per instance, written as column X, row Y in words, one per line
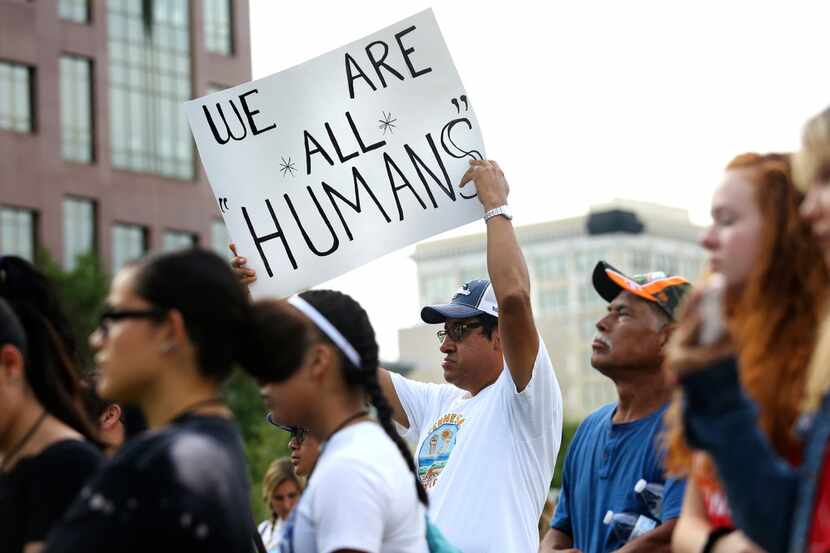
column 114, row 315
column 457, row 332
column 297, row 432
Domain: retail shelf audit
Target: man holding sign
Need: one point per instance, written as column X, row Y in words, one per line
column 488, row 439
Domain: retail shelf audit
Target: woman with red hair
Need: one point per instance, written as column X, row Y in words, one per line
column 790, row 510
column 774, row 293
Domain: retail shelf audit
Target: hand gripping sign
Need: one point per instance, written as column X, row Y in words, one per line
column 328, row 165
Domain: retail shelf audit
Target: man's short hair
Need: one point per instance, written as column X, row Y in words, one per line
column 488, row 324
column 662, row 317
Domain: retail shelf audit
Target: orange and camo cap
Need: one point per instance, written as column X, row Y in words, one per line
column 658, row 287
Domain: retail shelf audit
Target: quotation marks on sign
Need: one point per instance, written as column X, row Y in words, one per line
column 463, row 99
column 387, row 123
column 447, row 142
column 287, row 166
column 223, row 204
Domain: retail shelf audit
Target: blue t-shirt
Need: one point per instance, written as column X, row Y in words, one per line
column 604, row 463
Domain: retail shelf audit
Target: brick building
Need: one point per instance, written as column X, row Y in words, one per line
column 95, row 152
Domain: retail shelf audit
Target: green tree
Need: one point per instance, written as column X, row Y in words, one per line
column 263, row 442
column 82, row 291
column 568, row 430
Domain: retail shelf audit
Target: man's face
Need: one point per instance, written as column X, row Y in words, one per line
column 629, row 336
column 469, row 356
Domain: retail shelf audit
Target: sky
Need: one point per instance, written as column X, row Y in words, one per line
column 585, row 101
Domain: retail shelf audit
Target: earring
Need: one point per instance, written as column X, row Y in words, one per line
column 168, row 347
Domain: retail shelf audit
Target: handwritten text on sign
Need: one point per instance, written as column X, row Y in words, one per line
column 354, row 154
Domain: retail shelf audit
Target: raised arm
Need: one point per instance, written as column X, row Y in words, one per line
column 508, row 273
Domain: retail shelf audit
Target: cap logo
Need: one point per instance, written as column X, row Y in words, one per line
column 463, row 291
column 655, row 275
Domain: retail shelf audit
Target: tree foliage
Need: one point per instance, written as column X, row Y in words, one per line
column 568, row 431
column 82, row 291
column 263, row 442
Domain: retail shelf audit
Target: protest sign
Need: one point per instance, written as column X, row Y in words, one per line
column 325, row 166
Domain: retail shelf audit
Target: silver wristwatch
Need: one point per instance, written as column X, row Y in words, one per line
column 503, row 210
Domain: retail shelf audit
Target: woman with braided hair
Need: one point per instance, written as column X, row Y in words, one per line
column 363, row 494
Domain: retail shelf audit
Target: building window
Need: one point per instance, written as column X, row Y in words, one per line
column 129, row 242
column 587, row 260
column 78, row 230
column 76, row 109
column 178, row 240
column 553, row 301
column 641, row 261
column 472, row 273
column 692, row 269
column 595, row 395
column 217, row 19
column 587, row 329
column 438, row 289
column 74, row 10
column 150, row 81
column 17, row 232
column 219, row 237
column 15, row 97
column 588, row 297
column 550, row 268
column 665, row 263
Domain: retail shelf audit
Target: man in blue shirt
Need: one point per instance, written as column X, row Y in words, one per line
column 617, row 445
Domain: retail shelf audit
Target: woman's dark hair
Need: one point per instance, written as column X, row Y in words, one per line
column 202, row 287
column 11, row 329
column 284, row 336
column 51, row 354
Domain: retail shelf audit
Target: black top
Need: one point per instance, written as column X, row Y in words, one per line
column 180, row 488
column 39, row 489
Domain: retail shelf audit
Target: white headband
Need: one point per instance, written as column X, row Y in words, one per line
column 328, row 329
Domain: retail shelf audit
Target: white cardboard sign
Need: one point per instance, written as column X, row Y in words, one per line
column 328, row 165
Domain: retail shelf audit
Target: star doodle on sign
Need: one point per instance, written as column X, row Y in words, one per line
column 387, row 123
column 287, row 166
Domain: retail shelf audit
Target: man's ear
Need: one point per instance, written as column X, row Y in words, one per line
column 496, row 339
column 12, row 365
column 111, row 416
column 666, row 333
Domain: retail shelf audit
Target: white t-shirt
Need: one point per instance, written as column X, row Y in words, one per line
column 270, row 533
column 486, row 460
column 360, row 496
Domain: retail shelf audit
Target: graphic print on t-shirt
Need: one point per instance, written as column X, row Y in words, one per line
column 436, row 449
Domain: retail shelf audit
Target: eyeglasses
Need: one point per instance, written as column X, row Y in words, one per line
column 456, row 332
column 297, row 432
column 114, row 315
